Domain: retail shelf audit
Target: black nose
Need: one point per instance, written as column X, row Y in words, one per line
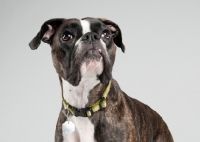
column 90, row 37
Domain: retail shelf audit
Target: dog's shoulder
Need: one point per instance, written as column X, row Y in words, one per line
column 146, row 116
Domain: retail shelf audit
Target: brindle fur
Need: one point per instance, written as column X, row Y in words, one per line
column 123, row 120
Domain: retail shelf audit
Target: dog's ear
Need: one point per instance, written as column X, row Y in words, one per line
column 46, row 33
column 114, row 28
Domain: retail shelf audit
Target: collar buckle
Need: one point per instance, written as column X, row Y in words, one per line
column 79, row 112
column 83, row 112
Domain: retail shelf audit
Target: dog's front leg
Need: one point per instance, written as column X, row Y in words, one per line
column 58, row 132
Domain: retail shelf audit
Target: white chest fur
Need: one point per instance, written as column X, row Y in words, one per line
column 77, row 97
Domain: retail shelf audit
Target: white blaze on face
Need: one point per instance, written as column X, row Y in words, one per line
column 86, row 26
column 85, row 29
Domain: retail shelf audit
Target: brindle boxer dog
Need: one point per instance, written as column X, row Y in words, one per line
column 83, row 53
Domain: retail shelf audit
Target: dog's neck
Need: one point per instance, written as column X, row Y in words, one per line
column 77, row 96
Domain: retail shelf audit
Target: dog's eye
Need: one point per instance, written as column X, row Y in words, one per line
column 67, row 36
column 105, row 34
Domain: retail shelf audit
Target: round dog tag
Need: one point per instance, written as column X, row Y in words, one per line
column 68, row 127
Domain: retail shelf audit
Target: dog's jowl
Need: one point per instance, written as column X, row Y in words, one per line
column 83, row 53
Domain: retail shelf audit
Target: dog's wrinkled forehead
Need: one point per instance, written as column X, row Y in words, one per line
column 91, row 25
column 85, row 25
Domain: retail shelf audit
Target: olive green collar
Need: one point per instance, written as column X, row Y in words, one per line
column 88, row 111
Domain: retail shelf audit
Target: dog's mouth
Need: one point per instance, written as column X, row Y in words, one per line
column 93, row 62
column 92, row 55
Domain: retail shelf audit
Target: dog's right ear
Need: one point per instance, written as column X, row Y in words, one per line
column 46, row 33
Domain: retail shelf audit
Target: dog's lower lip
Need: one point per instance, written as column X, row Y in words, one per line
column 99, row 50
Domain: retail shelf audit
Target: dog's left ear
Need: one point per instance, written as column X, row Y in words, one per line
column 46, row 33
column 114, row 28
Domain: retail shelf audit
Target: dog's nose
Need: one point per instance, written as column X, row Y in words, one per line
column 90, row 37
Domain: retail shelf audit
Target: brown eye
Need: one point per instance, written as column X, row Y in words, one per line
column 105, row 34
column 67, row 36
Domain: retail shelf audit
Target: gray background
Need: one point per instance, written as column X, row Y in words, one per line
column 160, row 67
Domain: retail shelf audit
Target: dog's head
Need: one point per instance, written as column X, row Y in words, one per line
column 80, row 48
